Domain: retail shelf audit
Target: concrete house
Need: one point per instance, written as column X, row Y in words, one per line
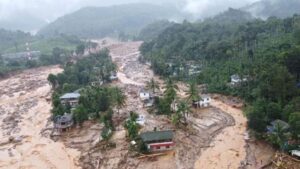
column 144, row 95
column 158, row 140
column 203, row 102
column 236, row 79
column 113, row 76
column 70, row 98
column 64, row 122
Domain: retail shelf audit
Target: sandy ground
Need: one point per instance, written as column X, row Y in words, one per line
column 24, row 114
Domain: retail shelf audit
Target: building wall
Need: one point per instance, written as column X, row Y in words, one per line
column 163, row 147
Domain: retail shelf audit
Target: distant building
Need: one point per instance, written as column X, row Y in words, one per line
column 158, row 140
column 149, row 102
column 236, row 79
column 63, row 122
column 274, row 124
column 203, row 102
column 140, row 120
column 144, row 95
column 70, row 98
column 113, row 76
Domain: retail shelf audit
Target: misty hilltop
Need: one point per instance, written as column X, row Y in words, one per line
column 278, row 8
column 97, row 22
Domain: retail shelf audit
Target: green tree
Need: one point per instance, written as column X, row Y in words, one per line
column 80, row 49
column 170, row 91
column 131, row 126
column 152, row 85
column 294, row 121
column 119, row 98
column 53, row 80
column 193, row 92
column 80, row 114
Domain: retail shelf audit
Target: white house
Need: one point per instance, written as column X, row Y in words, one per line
column 144, row 95
column 236, row 79
column 203, row 102
column 113, row 76
column 140, row 120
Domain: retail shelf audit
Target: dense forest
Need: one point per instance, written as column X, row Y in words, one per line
column 98, row 22
column 264, row 54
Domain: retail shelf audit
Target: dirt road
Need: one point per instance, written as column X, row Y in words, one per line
column 24, row 113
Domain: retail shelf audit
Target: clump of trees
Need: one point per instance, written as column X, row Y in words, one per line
column 95, row 102
column 266, row 52
column 132, row 126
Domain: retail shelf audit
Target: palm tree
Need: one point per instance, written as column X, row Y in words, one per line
column 184, row 109
column 170, row 92
column 120, row 98
column 193, row 93
column 152, row 85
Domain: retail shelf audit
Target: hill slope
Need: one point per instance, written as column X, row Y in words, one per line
column 278, row 8
column 97, row 22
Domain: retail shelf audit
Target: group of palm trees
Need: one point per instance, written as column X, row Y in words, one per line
column 180, row 108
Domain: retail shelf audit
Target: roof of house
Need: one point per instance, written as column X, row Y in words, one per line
column 157, row 136
column 64, row 119
column 70, row 96
column 281, row 123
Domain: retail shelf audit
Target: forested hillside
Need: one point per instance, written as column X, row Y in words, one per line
column 154, row 29
column 278, row 8
column 97, row 22
column 265, row 54
column 15, row 45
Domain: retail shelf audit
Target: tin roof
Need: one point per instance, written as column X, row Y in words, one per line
column 70, row 96
column 157, row 136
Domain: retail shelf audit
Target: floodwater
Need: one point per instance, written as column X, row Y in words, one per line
column 24, row 113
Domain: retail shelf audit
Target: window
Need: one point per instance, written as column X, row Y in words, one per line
column 158, row 147
column 168, row 147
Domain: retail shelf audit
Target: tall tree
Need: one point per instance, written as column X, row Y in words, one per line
column 170, row 91
column 193, row 92
column 119, row 98
column 152, row 85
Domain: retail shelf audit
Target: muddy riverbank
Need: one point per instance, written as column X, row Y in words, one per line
column 24, row 114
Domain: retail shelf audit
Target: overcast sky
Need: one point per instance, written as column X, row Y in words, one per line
column 51, row 9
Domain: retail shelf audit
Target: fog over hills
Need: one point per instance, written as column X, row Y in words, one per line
column 37, row 13
column 278, row 8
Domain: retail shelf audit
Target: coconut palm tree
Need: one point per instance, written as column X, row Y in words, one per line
column 193, row 92
column 119, row 97
column 184, row 109
column 152, row 85
column 170, row 92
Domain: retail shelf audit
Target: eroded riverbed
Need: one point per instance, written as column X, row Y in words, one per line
column 25, row 110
